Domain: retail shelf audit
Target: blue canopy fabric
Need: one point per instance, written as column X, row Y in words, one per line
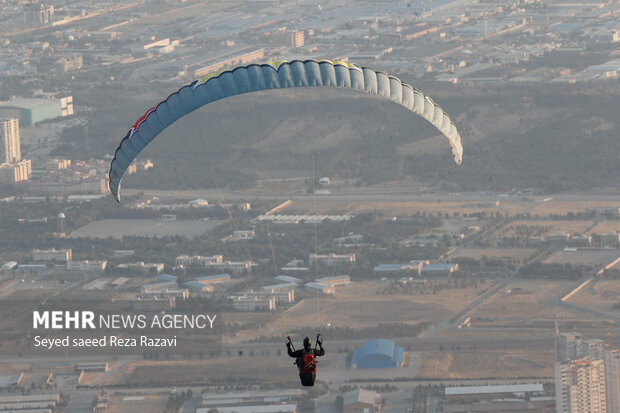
column 274, row 75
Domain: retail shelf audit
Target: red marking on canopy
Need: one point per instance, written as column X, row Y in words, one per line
column 142, row 118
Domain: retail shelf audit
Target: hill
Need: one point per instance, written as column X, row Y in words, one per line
column 556, row 137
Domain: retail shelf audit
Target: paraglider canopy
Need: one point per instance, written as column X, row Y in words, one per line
column 274, row 75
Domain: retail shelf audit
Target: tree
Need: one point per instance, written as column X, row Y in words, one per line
column 339, row 403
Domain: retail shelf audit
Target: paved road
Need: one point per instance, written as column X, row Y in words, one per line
column 379, row 193
column 81, row 401
column 454, row 320
column 191, row 405
column 491, row 340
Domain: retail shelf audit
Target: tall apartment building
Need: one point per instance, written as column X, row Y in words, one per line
column 570, row 347
column 37, row 13
column 294, row 38
column 612, row 382
column 13, row 172
column 69, row 64
column 10, row 149
column 580, row 386
column 575, row 346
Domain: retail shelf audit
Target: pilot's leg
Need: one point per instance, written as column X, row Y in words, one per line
column 307, row 379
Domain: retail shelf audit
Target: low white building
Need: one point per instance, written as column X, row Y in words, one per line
column 235, row 267
column 9, row 266
column 582, row 240
column 254, row 302
column 335, row 280
column 214, row 262
column 610, row 238
column 262, row 408
column 32, row 269
column 198, row 203
column 145, row 267
column 178, row 293
column 361, row 400
column 215, row 397
column 123, row 253
column 62, row 255
column 154, row 304
column 283, row 293
column 558, row 238
column 30, row 402
column 321, row 288
column 186, row 260
column 295, row 270
column 331, row 259
column 87, row 266
column 243, row 235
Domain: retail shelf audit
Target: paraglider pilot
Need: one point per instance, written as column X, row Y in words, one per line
column 305, row 359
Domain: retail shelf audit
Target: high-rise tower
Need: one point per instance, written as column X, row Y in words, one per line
column 580, row 386
column 612, row 372
column 10, row 149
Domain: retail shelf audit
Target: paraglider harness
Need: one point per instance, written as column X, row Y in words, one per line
column 306, row 363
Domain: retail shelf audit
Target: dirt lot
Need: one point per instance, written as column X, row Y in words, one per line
column 234, row 370
column 478, row 364
column 88, row 379
column 606, row 226
column 12, row 368
column 529, row 300
column 151, row 403
column 600, row 296
column 564, row 207
column 546, row 227
column 498, row 253
column 119, row 228
column 593, row 258
column 405, row 208
column 154, row 22
column 358, row 305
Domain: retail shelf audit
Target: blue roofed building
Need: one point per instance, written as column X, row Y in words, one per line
column 320, row 288
column 166, row 277
column 279, row 287
column 376, row 354
column 198, row 286
column 31, row 111
column 163, row 285
column 440, row 268
column 390, row 268
column 206, row 282
column 288, row 279
column 212, row 279
column 412, row 267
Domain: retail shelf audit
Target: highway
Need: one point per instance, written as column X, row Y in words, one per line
column 376, row 193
